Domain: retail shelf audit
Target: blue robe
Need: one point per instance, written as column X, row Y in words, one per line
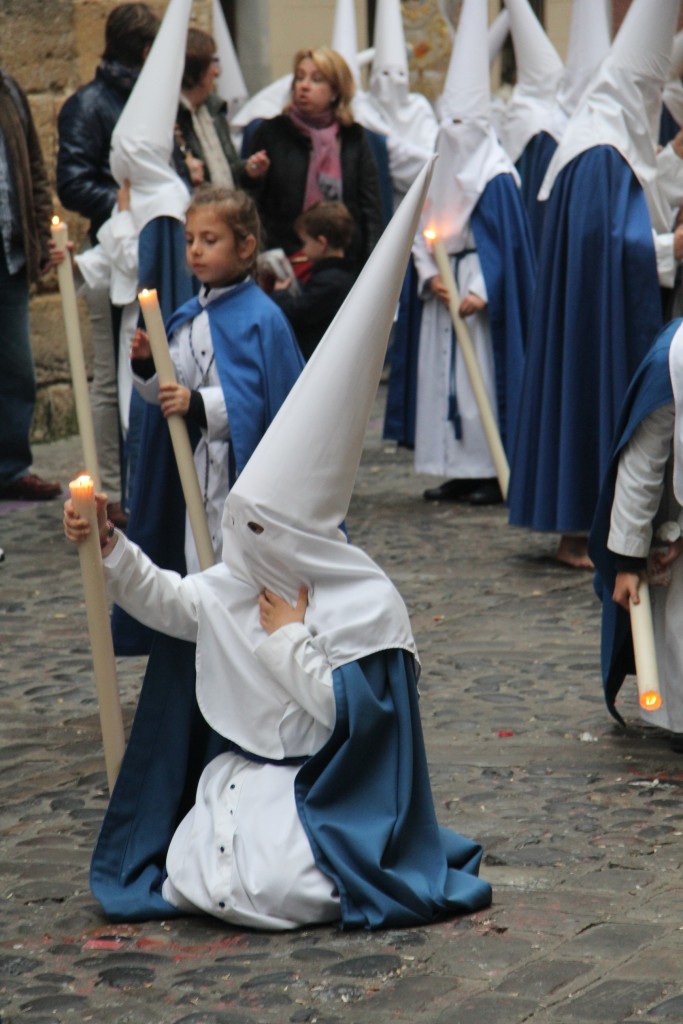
column 401, row 403
column 597, row 309
column 532, row 165
column 258, row 361
column 505, row 250
column 364, row 800
column 650, row 390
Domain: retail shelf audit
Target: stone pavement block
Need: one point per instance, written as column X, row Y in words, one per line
column 611, row 941
column 543, row 979
column 490, row 1009
column 609, row 1001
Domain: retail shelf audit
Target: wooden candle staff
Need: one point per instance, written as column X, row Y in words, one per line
column 462, row 333
column 72, row 327
column 158, row 341
column 642, row 631
column 104, row 663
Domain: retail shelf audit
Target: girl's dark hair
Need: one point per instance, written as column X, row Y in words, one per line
column 129, row 31
column 235, row 208
column 330, row 218
column 200, row 51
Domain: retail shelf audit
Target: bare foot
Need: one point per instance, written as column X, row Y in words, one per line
column 573, row 551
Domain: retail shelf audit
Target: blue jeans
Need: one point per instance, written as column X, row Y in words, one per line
column 17, row 375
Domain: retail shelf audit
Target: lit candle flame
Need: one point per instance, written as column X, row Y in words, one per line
column 83, row 486
column 55, row 220
column 430, row 234
column 650, row 701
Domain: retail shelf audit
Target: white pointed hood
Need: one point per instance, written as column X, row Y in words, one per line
column 469, row 152
column 672, row 97
column 230, row 84
column 298, row 483
column 499, row 30
column 388, row 107
column 539, row 70
column 142, row 141
column 623, row 104
column 345, row 36
column 589, row 43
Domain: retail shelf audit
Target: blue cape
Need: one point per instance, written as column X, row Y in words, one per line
column 505, row 251
column 532, row 165
column 596, row 310
column 650, row 389
column 364, row 800
column 258, row 361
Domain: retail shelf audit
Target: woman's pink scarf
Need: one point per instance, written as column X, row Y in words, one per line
column 324, row 179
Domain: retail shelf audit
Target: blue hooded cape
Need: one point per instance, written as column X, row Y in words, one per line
column 505, row 250
column 364, row 800
column 650, row 389
column 532, row 165
column 596, row 310
column 258, row 360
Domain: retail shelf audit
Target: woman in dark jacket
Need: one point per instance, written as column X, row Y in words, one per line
column 315, row 150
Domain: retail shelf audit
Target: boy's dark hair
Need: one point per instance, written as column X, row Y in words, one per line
column 235, row 208
column 129, row 31
column 200, row 51
column 330, row 218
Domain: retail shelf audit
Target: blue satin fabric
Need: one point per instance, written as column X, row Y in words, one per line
column 365, row 800
column 650, row 389
column 532, row 165
column 596, row 311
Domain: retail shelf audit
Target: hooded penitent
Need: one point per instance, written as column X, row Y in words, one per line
column 589, row 43
column 142, row 141
column 345, row 36
column 389, row 106
column 539, row 70
column 623, row 105
column 230, row 84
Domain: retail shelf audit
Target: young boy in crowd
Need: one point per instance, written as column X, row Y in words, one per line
column 325, row 230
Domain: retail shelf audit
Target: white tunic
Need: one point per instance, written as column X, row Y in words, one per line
column 437, row 450
column 241, row 853
column 193, row 357
column 643, row 499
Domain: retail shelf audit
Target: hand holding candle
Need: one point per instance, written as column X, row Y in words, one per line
column 104, row 663
column 72, row 327
column 177, row 426
column 462, row 333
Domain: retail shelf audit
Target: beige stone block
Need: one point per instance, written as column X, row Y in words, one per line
column 48, row 341
column 54, row 415
column 37, row 43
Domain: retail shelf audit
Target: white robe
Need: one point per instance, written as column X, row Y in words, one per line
column 643, row 499
column 437, row 450
column 241, row 853
column 192, row 353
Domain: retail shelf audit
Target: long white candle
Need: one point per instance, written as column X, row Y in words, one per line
column 104, row 663
column 72, row 327
column 462, row 333
column 177, row 426
column 642, row 631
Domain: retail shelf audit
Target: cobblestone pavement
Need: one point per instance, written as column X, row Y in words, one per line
column 581, row 821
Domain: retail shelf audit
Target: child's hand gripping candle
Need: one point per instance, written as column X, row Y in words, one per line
column 104, row 664
column 158, row 341
column 72, row 328
column 647, row 675
column 462, row 333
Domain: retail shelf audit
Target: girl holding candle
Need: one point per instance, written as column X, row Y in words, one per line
column 234, row 354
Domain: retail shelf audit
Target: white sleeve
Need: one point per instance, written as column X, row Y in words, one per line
column 291, row 657
column 670, row 175
column 640, row 484
column 406, row 160
column 470, row 277
column 666, row 263
column 217, row 428
column 159, row 598
column 425, row 264
column 119, row 239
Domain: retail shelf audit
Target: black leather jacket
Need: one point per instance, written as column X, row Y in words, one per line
column 86, row 122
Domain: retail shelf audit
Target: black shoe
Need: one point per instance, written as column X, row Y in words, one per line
column 488, row 493
column 453, row 490
column 31, row 488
